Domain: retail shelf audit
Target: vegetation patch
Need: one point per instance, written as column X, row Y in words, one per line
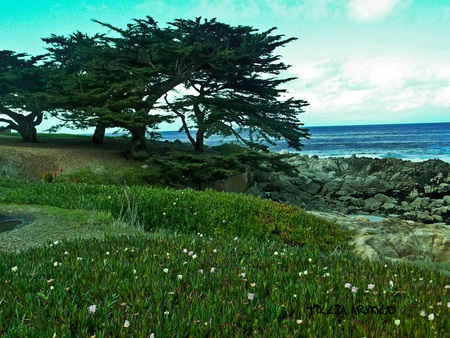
column 44, row 223
column 197, row 286
column 190, row 211
column 206, row 264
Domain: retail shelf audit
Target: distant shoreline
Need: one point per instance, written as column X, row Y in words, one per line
column 416, row 142
column 118, row 139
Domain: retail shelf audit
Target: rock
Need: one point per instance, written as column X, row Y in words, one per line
column 437, row 218
column 405, row 205
column 419, row 203
column 437, row 203
column 410, row 215
column 363, row 186
column 395, row 239
column 412, row 190
column 333, row 187
column 413, row 194
column 441, row 210
column 372, row 204
column 443, row 188
column 438, row 179
column 428, row 189
column 383, row 198
column 389, row 207
column 306, row 184
column 425, row 217
column 352, row 201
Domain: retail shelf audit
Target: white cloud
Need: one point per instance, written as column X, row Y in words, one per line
column 376, row 88
column 371, row 10
column 441, row 98
column 376, row 71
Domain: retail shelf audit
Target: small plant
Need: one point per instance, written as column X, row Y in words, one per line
column 49, row 177
column 129, row 215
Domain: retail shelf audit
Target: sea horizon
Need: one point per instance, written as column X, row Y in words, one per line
column 414, row 141
column 409, row 141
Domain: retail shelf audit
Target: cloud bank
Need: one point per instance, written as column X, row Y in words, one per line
column 371, row 10
column 378, row 86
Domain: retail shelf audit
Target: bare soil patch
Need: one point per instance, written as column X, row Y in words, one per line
column 69, row 153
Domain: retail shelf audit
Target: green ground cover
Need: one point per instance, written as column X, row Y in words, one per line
column 137, row 261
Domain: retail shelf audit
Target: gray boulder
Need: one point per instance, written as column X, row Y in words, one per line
column 395, row 239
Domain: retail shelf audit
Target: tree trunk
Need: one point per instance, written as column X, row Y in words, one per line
column 200, row 140
column 31, row 133
column 32, row 120
column 200, row 136
column 138, row 147
column 99, row 134
column 27, row 132
column 25, row 125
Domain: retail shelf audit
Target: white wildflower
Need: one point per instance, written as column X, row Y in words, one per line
column 92, row 308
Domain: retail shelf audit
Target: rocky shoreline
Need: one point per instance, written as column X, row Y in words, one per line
column 394, row 188
column 412, row 200
column 396, row 239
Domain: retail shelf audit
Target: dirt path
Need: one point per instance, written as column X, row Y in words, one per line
column 30, row 160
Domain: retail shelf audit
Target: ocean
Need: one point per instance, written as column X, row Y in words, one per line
column 414, row 142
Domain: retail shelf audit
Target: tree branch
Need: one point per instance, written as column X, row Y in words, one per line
column 11, row 124
column 236, row 134
column 183, row 120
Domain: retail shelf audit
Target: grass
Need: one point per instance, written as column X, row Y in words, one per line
column 190, row 211
column 9, row 165
column 44, row 223
column 135, row 261
column 197, row 286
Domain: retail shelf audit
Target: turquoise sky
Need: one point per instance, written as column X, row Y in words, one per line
column 357, row 61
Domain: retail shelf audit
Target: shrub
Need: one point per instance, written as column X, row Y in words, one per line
column 48, row 177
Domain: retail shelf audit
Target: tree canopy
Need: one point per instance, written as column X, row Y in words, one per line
column 22, row 93
column 212, row 77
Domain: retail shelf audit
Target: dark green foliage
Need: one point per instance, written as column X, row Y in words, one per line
column 120, row 81
column 241, row 91
column 198, row 170
column 23, row 93
column 191, row 170
column 256, row 161
column 48, row 177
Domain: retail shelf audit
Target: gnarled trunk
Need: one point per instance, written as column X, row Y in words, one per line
column 29, row 133
column 25, row 125
column 138, row 146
